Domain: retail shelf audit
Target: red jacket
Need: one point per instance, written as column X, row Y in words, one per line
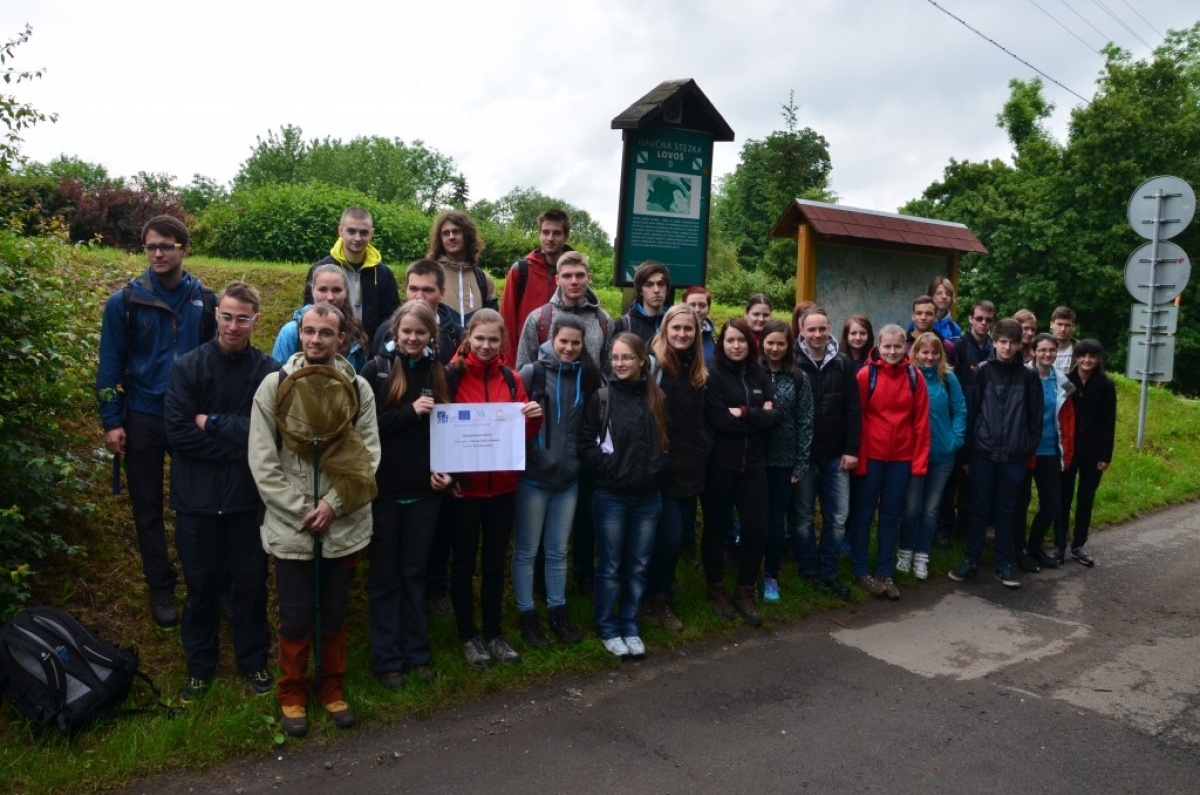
column 540, row 285
column 895, row 417
column 482, row 382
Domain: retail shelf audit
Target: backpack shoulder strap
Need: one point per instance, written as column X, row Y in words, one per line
column 537, row 386
column 543, row 326
column 602, row 393
column 912, row 378
column 208, row 320
column 602, row 318
column 511, row 381
column 481, row 278
column 522, row 279
column 872, row 377
column 453, row 379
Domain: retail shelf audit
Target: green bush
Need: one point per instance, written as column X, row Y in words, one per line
column 733, row 286
column 34, row 202
column 46, row 356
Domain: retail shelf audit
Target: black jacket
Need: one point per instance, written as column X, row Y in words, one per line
column 403, row 471
column 1004, row 415
column 741, row 442
column 380, row 295
column 210, row 470
column 1095, row 417
column 837, row 412
column 449, row 336
column 637, row 462
column 691, row 435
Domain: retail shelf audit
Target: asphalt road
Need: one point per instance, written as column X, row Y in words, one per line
column 1080, row 681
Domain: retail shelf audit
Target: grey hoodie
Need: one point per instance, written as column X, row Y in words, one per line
column 596, row 321
column 552, row 457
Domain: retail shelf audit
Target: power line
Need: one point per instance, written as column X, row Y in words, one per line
column 1087, row 21
column 1134, row 10
column 1064, row 27
column 1121, row 22
column 1006, row 51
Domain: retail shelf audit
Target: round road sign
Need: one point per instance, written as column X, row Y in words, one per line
column 1178, row 207
column 1171, row 277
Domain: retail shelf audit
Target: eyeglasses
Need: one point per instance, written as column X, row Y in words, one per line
column 325, row 333
column 166, row 248
column 241, row 321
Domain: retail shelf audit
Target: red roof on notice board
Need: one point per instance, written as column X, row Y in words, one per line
column 852, row 223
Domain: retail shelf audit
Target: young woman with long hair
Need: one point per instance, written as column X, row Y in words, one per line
column 485, row 510
column 700, row 300
column 624, row 439
column 947, row 427
column 941, row 289
column 562, row 378
column 1029, row 330
column 739, row 407
column 681, row 373
column 408, row 382
column 858, row 338
column 758, row 312
column 328, row 285
column 788, row 444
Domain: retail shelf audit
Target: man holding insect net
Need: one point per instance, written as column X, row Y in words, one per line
column 314, row 447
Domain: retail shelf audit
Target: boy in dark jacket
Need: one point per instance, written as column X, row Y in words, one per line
column 1004, row 424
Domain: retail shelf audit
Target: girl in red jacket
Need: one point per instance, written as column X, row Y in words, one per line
column 486, row 504
column 895, row 447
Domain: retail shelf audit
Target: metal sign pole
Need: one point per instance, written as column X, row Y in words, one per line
column 1150, row 296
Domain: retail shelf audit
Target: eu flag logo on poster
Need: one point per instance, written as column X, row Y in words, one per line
column 464, row 415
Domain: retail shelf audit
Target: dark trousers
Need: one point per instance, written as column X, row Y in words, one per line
column 779, row 491
column 396, row 583
column 995, row 490
column 583, row 539
column 1089, row 481
column 660, row 574
column 1047, row 476
column 296, row 587
column 146, row 451
column 489, row 518
column 210, row 548
column 747, row 492
column 438, row 564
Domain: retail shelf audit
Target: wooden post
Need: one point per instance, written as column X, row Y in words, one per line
column 806, row 264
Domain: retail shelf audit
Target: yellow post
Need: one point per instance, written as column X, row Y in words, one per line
column 806, row 264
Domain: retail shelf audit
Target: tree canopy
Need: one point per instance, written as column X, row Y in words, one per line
column 518, row 210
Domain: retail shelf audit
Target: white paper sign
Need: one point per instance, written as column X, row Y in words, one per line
column 477, row 437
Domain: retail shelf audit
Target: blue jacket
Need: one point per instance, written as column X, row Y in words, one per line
column 287, row 342
column 947, row 415
column 169, row 325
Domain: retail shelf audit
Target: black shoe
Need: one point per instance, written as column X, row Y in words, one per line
column 194, row 689
column 163, row 609
column 1080, row 554
column 1060, row 555
column 261, row 682
column 438, row 606
column 531, row 630
column 423, row 672
column 1028, row 564
column 834, row 587
column 391, row 680
column 964, row 571
column 1044, row 560
column 560, row 625
column 1005, row 575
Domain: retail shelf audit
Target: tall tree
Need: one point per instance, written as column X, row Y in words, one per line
column 519, row 209
column 17, row 116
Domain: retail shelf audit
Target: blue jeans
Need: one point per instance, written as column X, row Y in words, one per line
column 833, row 483
column 924, row 507
column 779, row 495
column 676, row 512
column 543, row 516
column 885, row 485
column 995, row 486
column 625, row 526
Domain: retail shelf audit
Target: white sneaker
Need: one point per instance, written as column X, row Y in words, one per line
column 904, row 561
column 617, row 646
column 637, row 649
column 921, row 565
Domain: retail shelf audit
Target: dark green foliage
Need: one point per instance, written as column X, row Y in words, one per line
column 114, row 213
column 33, row 202
column 46, row 355
column 92, row 175
column 520, row 207
column 202, row 192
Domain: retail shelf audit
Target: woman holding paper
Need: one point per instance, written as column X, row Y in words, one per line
column 624, row 440
column 478, row 375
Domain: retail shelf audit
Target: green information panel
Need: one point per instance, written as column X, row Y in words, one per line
column 664, row 203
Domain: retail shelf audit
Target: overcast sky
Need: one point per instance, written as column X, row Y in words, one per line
column 523, row 93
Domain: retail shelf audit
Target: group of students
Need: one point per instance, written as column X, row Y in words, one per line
column 632, row 425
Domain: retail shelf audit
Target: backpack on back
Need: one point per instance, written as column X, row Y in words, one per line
column 56, row 671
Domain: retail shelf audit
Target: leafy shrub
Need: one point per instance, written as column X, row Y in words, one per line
column 734, row 285
column 34, row 202
column 114, row 213
column 45, row 365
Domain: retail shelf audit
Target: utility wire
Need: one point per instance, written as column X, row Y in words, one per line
column 1007, row 51
column 1087, row 22
column 1121, row 22
column 1134, row 10
column 1064, row 27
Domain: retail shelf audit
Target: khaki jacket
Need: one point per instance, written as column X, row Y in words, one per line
column 285, row 480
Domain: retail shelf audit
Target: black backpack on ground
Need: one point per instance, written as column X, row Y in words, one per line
column 56, row 671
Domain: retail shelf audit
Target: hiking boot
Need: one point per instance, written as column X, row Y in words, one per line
column 294, row 720
column 904, row 561
column 1044, row 560
column 476, row 653
column 261, row 682
column 667, row 619
column 1080, row 554
column 531, row 630
column 391, row 680
column 871, row 585
column 637, row 649
column 340, row 713
column 194, row 689
column 163, row 609
column 616, row 646
column 504, row 653
column 1005, row 575
column 719, row 602
column 921, row 565
column 1027, row 563
column 743, row 603
column 770, row 589
column 964, row 571
column 889, row 588
column 561, row 626
column 424, row 673
column 439, row 606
